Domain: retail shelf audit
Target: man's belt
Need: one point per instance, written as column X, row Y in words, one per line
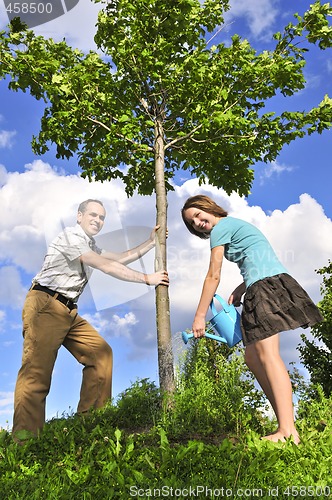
column 61, row 298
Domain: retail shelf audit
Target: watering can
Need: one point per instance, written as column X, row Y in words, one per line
column 227, row 323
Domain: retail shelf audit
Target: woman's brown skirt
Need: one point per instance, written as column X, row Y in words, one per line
column 276, row 304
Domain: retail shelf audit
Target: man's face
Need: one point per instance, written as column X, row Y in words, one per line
column 92, row 220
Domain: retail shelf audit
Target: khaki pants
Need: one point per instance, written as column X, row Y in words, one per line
column 48, row 324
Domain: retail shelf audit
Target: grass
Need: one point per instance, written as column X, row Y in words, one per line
column 202, row 444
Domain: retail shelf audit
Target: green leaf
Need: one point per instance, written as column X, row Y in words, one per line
column 124, row 118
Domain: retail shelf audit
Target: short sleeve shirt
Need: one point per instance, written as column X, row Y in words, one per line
column 62, row 270
column 246, row 245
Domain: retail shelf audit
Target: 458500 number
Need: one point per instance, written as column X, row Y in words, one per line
column 29, row 8
column 307, row 491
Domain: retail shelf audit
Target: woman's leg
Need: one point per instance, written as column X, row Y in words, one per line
column 263, row 359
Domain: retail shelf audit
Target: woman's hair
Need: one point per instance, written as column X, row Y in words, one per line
column 207, row 205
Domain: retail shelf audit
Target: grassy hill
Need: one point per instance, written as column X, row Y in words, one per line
column 203, row 443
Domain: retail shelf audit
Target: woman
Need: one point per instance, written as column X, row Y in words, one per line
column 273, row 301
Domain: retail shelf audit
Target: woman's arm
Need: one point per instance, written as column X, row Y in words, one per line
column 134, row 253
column 210, row 286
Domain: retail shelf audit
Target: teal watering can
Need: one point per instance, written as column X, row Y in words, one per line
column 227, row 323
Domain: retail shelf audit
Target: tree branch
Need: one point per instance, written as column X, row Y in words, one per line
column 121, row 136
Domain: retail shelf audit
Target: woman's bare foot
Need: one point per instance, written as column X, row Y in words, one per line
column 280, row 436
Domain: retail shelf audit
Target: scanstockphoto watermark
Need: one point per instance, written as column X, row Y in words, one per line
column 35, row 13
column 223, row 492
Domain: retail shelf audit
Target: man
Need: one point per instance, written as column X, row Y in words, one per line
column 50, row 317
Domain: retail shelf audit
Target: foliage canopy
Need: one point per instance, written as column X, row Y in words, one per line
column 159, row 67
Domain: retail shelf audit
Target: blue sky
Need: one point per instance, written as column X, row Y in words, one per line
column 290, row 201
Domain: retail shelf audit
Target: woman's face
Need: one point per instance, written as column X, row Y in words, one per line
column 201, row 221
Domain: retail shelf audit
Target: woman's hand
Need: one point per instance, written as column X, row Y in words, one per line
column 198, row 327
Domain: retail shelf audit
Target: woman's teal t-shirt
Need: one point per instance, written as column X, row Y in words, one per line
column 247, row 247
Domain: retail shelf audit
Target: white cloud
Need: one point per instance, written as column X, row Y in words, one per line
column 302, row 237
column 11, row 290
column 122, row 325
column 98, row 322
column 313, row 81
column 2, row 319
column 115, row 326
column 3, row 175
column 260, row 15
column 9, row 343
column 6, row 398
column 14, row 243
column 329, row 65
column 78, row 26
column 274, row 168
column 6, row 138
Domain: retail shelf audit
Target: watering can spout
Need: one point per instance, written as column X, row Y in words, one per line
column 186, row 336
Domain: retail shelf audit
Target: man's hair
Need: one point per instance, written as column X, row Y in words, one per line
column 83, row 206
column 207, row 205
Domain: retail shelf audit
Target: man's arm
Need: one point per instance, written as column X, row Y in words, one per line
column 121, row 272
column 134, row 253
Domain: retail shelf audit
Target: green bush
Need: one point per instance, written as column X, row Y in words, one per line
column 140, row 405
column 215, row 393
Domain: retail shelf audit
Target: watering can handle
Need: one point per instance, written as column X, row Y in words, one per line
column 222, row 302
column 186, row 336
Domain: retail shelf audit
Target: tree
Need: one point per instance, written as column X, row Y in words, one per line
column 161, row 97
column 318, row 358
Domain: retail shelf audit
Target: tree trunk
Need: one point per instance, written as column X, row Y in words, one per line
column 164, row 336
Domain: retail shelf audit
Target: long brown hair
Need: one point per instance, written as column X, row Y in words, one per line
column 206, row 204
